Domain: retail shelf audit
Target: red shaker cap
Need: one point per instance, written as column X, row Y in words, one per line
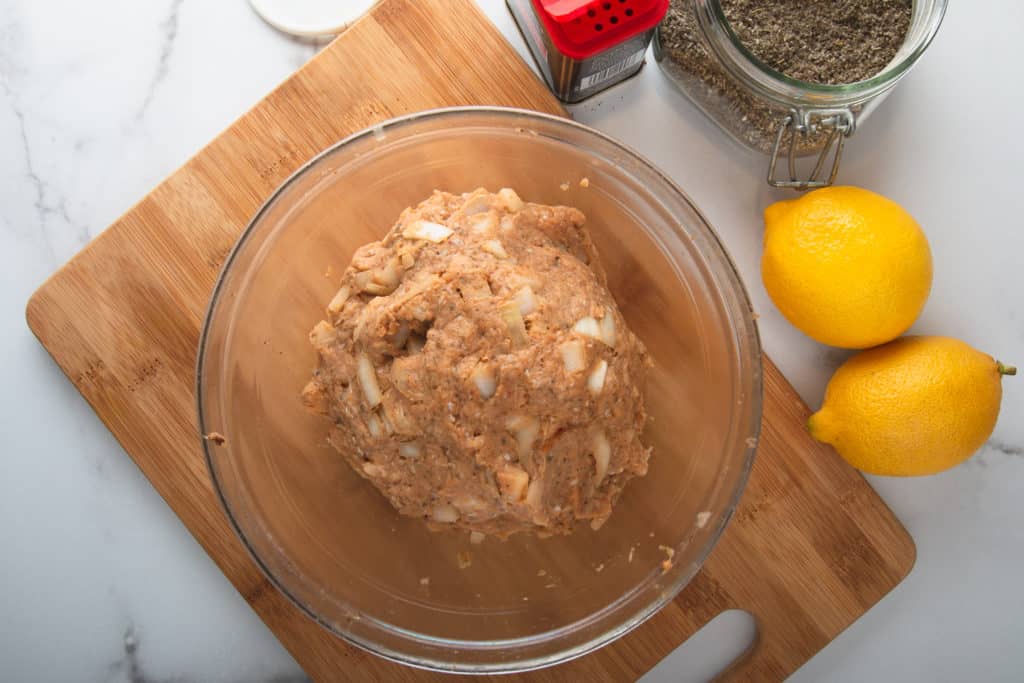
column 583, row 28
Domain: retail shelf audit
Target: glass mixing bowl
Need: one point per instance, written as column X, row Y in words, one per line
column 328, row 540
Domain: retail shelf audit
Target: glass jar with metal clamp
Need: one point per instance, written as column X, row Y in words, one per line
column 766, row 110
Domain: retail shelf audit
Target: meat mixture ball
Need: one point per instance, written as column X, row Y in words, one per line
column 478, row 371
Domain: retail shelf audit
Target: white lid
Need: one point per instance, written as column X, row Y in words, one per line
column 310, row 17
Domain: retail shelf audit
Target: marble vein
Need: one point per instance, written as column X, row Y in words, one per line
column 1005, row 448
column 129, row 666
column 47, row 202
column 10, row 42
column 169, row 28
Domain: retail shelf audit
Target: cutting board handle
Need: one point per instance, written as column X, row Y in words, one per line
column 747, row 666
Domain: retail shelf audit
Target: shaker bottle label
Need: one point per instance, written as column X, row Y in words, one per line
column 612, row 71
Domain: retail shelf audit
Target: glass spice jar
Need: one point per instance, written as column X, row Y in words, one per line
column 765, row 110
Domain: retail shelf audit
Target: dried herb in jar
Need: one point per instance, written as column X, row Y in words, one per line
column 829, row 41
column 815, row 41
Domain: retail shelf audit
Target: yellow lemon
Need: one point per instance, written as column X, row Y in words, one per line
column 918, row 405
column 846, row 266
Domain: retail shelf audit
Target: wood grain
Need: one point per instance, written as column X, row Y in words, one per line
column 810, row 549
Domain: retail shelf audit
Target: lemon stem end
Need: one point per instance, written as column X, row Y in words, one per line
column 813, row 427
column 1008, row 370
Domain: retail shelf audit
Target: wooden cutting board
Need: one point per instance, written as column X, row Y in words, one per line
column 810, row 549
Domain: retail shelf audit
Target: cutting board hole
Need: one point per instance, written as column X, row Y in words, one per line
column 708, row 652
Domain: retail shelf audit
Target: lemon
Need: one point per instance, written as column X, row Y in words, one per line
column 918, row 405
column 846, row 266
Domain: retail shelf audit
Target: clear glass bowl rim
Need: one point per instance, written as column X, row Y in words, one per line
column 721, row 258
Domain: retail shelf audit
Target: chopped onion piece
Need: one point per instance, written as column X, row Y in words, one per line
column 390, row 275
column 426, row 230
column 573, row 355
column 526, row 300
column 484, row 223
column 469, row 504
column 372, row 470
column 483, row 378
column 374, row 425
column 409, row 449
column 388, row 427
column 339, row 300
column 476, row 538
column 377, row 289
column 514, row 321
column 368, row 380
column 445, row 514
column 534, row 493
column 595, row 381
column 495, row 248
column 608, row 329
column 407, row 259
column 364, row 258
column 322, row 334
column 401, row 336
column 525, row 430
column 507, row 223
column 510, row 199
column 519, row 280
column 588, row 327
column 512, row 481
column 366, row 283
column 477, row 203
column 361, row 279
column 398, row 418
column 602, row 455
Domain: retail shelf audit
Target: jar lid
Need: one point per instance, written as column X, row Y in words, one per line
column 583, row 28
column 310, row 17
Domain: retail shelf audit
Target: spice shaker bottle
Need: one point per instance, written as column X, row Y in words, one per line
column 766, row 110
column 585, row 46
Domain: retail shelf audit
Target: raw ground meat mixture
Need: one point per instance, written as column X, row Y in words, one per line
column 479, row 373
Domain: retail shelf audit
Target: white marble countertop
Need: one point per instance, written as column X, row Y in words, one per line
column 99, row 100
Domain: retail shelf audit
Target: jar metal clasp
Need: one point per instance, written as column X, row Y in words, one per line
column 838, row 123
